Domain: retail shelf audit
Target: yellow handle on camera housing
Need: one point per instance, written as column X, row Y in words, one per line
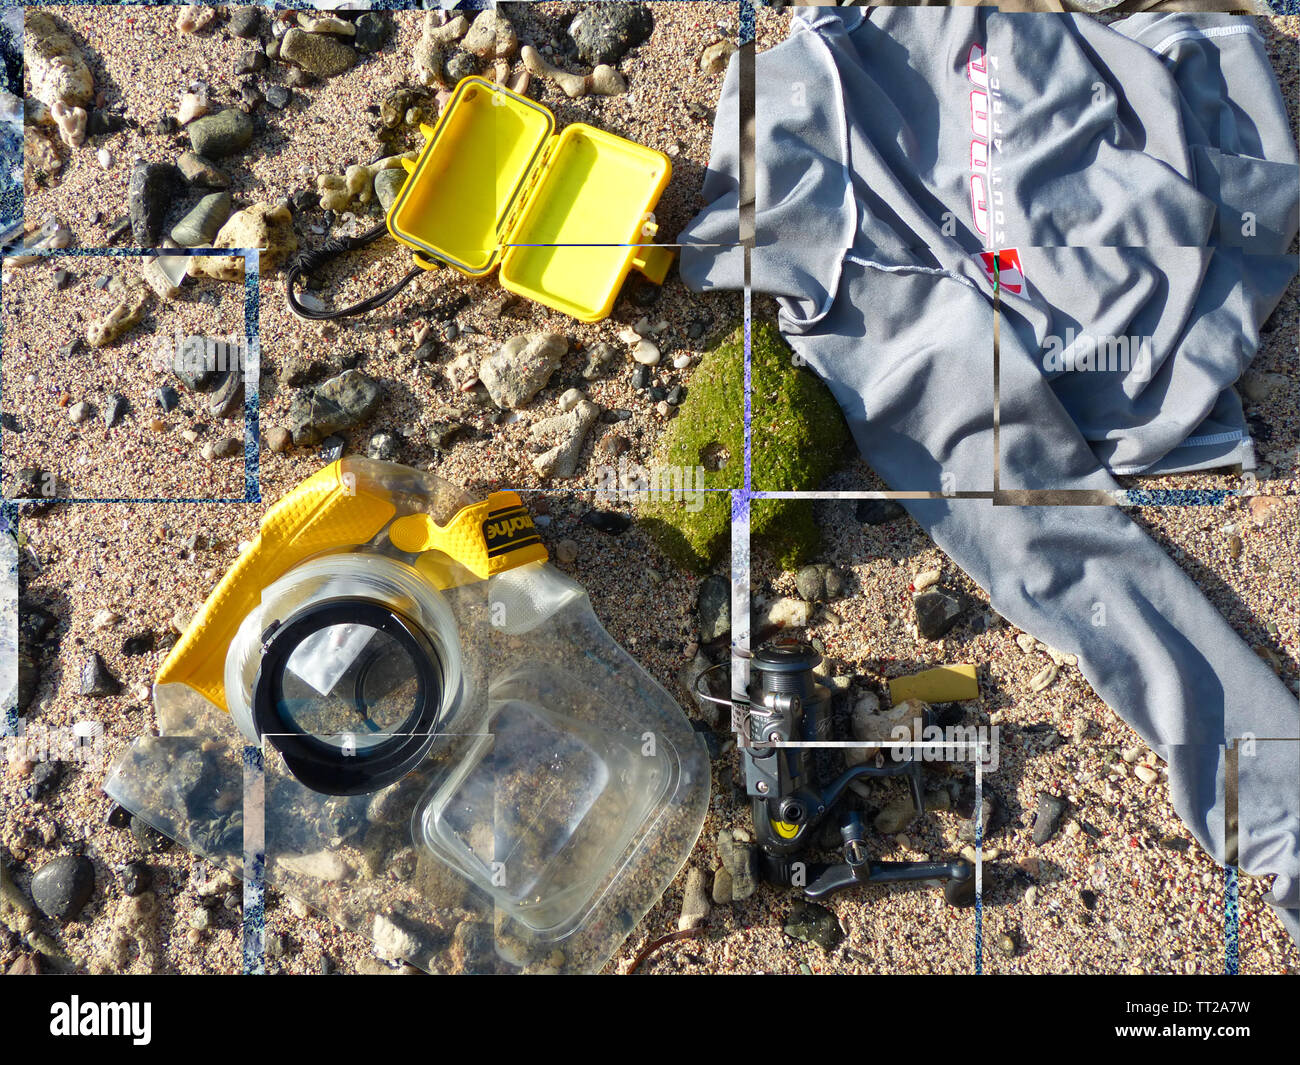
column 334, row 510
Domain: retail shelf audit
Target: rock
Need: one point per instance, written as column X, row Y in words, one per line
column 716, row 56
column 1007, row 944
column 491, row 36
column 1146, row 774
column 338, row 404
column 223, row 447
column 199, row 171
column 721, row 888
column 96, row 680
column 279, row 96
column 607, row 521
column 79, row 412
column 566, row 552
column 604, row 33
column 319, row 54
column 260, row 225
column 521, row 367
column 372, row 32
column 193, row 105
column 646, row 353
column 713, row 608
column 988, row 809
column 62, row 887
column 245, row 22
column 811, row 583
column 392, row 942
column 695, row 901
column 937, row 611
column 250, row 62
column 878, row 511
column 195, row 17
column 151, row 191
column 388, row 183
column 606, row 81
column 115, row 407
column 814, row 924
column 383, row 446
column 1047, row 817
column 570, row 429
column 897, row 814
column 600, row 357
column 203, row 222
column 278, row 439
column 320, row 865
column 740, row 861
column 461, row 65
column 222, row 134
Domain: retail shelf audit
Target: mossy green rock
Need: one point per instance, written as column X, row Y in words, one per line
column 798, row 435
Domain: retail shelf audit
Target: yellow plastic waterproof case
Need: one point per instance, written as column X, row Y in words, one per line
column 564, row 216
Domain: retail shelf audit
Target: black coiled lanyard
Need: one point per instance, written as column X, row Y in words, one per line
column 309, row 261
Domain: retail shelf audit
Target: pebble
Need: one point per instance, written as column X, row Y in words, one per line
column 937, row 611
column 1146, row 774
column 1043, row 679
column 321, row 55
column 716, row 56
column 199, row 171
column 681, row 362
column 646, row 353
column 150, row 193
column 96, row 679
column 392, row 942
column 62, row 887
column 740, row 862
column 713, row 608
column 245, row 22
column 222, row 134
column 600, row 357
column 388, row 183
column 878, row 511
column 571, row 398
column 338, row 404
column 521, row 367
column 604, row 33
column 383, row 446
column 79, row 412
column 372, row 32
column 695, row 901
column 204, row 220
column 1047, row 817
column 105, row 158
column 114, row 408
column 566, row 552
column 607, row 521
column 812, row 923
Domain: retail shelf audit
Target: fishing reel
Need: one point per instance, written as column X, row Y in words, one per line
column 782, row 726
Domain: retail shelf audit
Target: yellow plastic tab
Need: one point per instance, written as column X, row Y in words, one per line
column 944, row 684
column 486, row 538
column 328, row 511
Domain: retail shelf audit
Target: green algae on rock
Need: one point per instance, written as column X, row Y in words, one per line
column 798, row 435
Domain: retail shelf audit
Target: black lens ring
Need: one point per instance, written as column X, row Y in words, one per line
column 322, row 766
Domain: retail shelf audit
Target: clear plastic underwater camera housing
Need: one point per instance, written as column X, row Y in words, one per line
column 459, row 760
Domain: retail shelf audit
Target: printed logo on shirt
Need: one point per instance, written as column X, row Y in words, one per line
column 1003, row 268
column 986, row 140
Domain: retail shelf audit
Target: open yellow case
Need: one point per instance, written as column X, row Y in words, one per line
column 564, row 216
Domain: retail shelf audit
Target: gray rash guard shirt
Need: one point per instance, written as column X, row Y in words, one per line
column 1131, row 183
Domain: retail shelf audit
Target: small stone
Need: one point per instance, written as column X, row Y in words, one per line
column 392, row 942
column 570, row 399
column 604, row 33
column 1007, row 944
column 1047, row 817
column 713, row 608
column 200, row 226
column 250, row 62
column 646, row 353
column 878, row 511
column 373, row 30
column 79, row 412
column 388, row 183
column 222, row 134
column 338, row 404
column 566, row 552
column 199, row 171
column 96, row 679
column 115, row 407
column 814, row 924
column 811, row 583
column 383, row 446
column 716, row 56
column 896, row 816
column 740, row 861
column 245, row 22
column 319, row 54
column 521, row 367
column 937, row 611
column 600, row 357
column 105, row 158
column 278, row 439
column 137, row 878
column 1146, row 774
column 279, row 96
column 695, row 901
column 62, row 887
column 607, row 521
column 150, row 193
